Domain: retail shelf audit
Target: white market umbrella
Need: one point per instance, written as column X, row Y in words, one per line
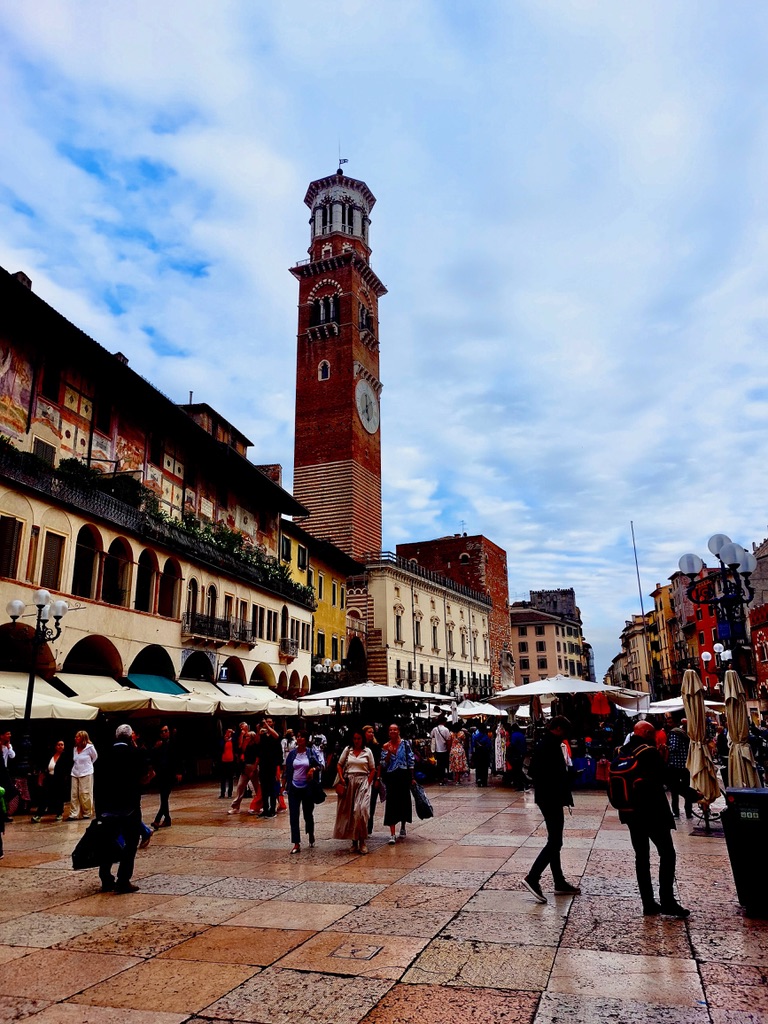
column 375, row 690
column 144, row 700
column 13, row 703
column 474, row 709
column 742, row 773
column 699, row 762
column 554, row 686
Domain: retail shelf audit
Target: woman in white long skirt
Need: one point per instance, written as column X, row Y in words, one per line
column 355, row 772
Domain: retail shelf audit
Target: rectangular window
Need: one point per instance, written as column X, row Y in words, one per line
column 301, row 557
column 311, row 578
column 417, row 632
column 463, row 645
column 541, row 645
column 526, row 679
column 714, row 635
column 434, row 638
column 522, row 631
column 343, row 596
column 228, row 605
column 320, row 644
column 341, row 648
column 53, row 555
column 10, row 542
column 539, row 631
column 523, row 647
column 450, row 641
column 272, row 626
column 398, row 672
column 34, row 543
column 524, row 664
column 701, row 638
column 334, row 593
column 51, row 383
column 102, row 420
column 398, row 629
column 44, row 451
column 156, row 450
column 285, row 549
column 541, row 663
column 320, row 586
column 334, row 648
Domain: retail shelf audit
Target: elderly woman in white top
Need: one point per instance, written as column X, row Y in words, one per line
column 81, row 796
column 356, row 769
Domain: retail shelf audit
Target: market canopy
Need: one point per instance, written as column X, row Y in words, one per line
column 376, row 691
column 13, row 701
column 555, row 686
column 225, row 703
column 474, row 709
column 89, row 686
column 260, row 699
column 143, row 700
column 676, row 704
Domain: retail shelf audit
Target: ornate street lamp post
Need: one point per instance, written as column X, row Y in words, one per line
column 727, row 590
column 45, row 608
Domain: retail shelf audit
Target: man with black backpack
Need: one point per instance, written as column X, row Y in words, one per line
column 636, row 790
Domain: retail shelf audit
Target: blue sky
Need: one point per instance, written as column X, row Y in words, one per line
column 571, row 223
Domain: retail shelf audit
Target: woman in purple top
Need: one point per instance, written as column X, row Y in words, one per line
column 302, row 773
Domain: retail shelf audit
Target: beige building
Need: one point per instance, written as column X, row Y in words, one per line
column 546, row 644
column 424, row 631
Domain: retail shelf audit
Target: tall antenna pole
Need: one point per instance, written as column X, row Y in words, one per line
column 642, row 613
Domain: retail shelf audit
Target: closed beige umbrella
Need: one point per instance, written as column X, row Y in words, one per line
column 699, row 763
column 742, row 773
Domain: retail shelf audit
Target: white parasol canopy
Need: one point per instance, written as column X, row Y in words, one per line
column 13, row 702
column 554, row 686
column 375, row 690
column 676, row 704
column 474, row 709
column 260, row 699
column 145, row 700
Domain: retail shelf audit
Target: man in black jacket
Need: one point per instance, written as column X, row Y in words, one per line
column 119, row 775
column 164, row 762
column 651, row 821
column 552, row 792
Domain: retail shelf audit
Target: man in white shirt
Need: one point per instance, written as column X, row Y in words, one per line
column 441, row 738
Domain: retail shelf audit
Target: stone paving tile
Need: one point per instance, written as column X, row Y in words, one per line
column 735, row 987
column 258, row 947
column 434, row 1004
column 333, row 892
column 13, row 1008
column 382, row 956
column 463, row 879
column 46, row 929
column 483, row 964
column 745, row 946
column 284, row 914
column 625, row 888
column 200, row 909
column 556, row 1008
column 618, row 926
column 173, row 986
column 174, row 885
column 602, row 975
column 108, row 905
column 738, row 1017
column 77, row 1013
column 507, row 928
column 61, row 973
column 491, row 839
column 320, row 998
column 14, row 952
column 425, row 924
column 134, row 938
column 407, row 896
column 358, row 873
column 245, row 889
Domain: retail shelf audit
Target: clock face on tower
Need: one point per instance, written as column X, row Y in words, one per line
column 367, row 406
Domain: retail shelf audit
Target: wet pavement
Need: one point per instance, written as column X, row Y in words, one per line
column 229, row 927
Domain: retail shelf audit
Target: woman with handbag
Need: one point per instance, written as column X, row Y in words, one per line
column 398, row 771
column 303, row 768
column 355, row 772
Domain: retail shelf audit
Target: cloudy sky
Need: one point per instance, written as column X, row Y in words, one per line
column 571, row 223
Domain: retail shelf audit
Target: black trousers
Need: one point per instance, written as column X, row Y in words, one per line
column 554, row 819
column 482, row 766
column 128, row 827
column 441, row 765
column 679, row 782
column 164, row 810
column 642, row 835
column 267, row 777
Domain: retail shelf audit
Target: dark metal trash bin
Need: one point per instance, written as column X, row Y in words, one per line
column 745, row 824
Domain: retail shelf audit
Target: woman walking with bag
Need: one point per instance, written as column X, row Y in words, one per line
column 397, row 770
column 303, row 767
column 355, row 772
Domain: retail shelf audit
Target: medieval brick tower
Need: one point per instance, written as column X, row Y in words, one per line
column 337, row 447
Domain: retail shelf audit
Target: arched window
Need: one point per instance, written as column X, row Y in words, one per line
column 192, row 594
column 167, row 596
column 146, row 571
column 324, row 370
column 116, row 581
column 210, row 602
column 324, row 311
column 86, row 563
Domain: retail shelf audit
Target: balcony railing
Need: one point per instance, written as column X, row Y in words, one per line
column 380, row 559
column 289, row 648
column 213, row 628
column 94, row 504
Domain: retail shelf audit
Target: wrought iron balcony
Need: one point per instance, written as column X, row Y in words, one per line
column 289, row 648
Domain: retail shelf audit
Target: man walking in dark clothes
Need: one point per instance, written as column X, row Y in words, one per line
column 552, row 792
column 167, row 771
column 651, row 821
column 119, row 776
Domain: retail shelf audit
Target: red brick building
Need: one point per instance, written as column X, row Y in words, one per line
column 480, row 565
column 337, row 445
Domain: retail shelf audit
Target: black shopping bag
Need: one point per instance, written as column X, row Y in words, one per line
column 98, row 842
column 421, row 802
